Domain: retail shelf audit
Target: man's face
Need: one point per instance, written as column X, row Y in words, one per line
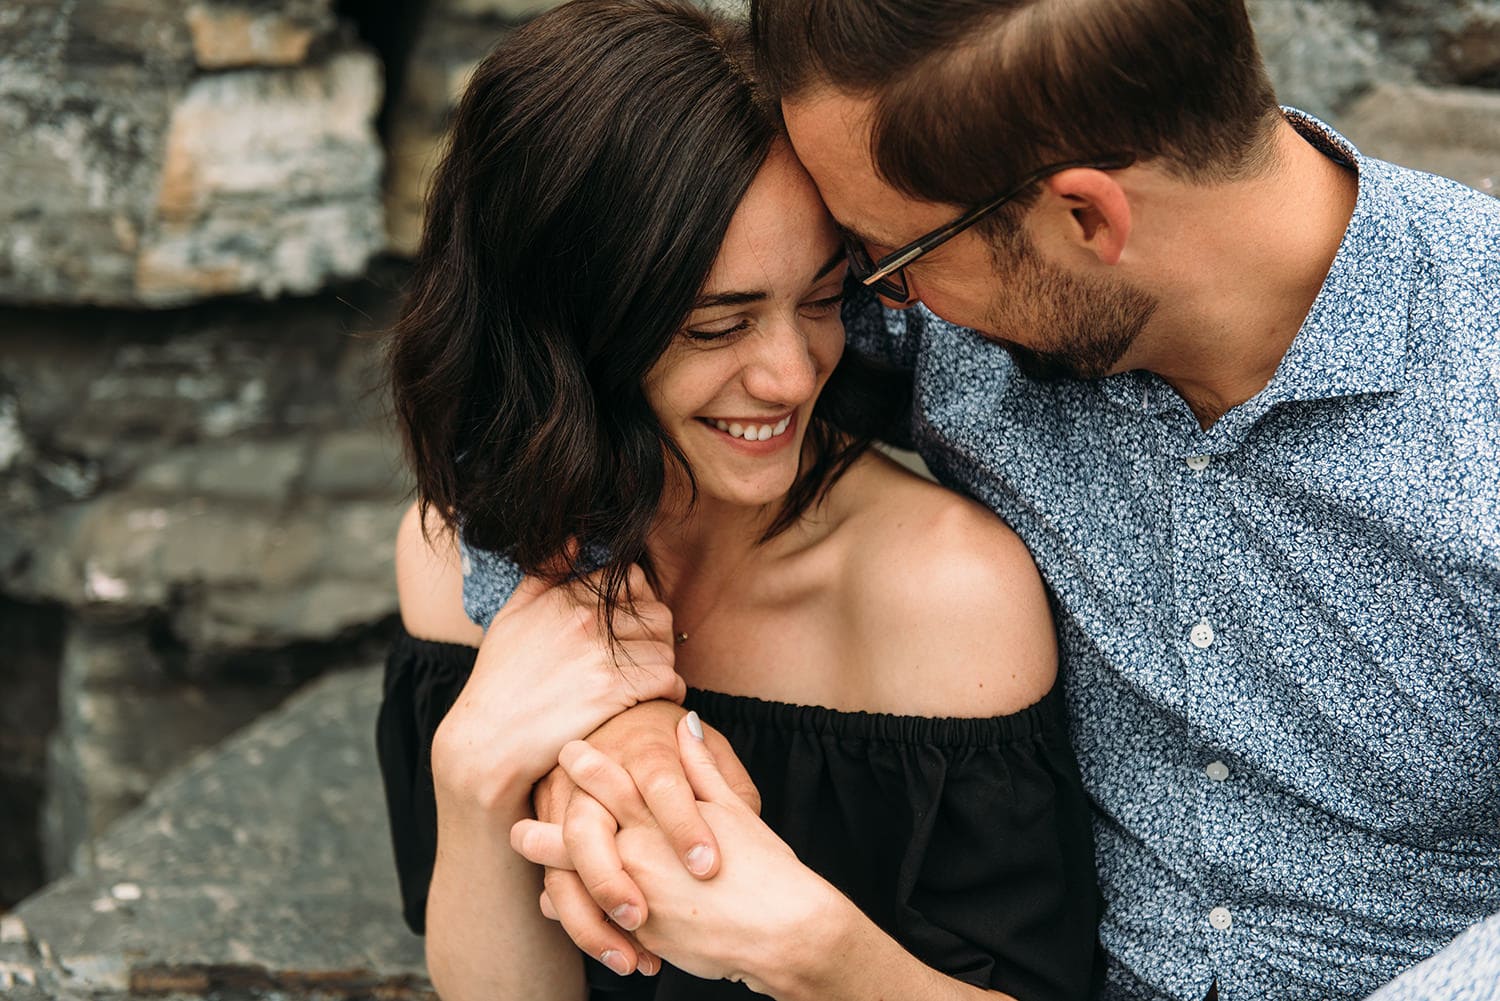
column 1054, row 322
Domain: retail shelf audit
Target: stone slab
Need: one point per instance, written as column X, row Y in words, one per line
column 262, row 868
column 1452, row 131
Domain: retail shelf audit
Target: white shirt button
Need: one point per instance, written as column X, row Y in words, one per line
column 1217, row 770
column 1220, row 919
column 1197, row 463
column 1202, row 635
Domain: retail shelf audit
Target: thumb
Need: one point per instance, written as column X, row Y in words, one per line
column 699, row 766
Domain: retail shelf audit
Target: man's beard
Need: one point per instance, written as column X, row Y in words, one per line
column 1081, row 329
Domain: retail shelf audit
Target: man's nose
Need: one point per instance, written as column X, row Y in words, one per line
column 889, row 303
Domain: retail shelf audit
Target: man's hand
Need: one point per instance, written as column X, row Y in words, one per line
column 643, row 741
column 546, row 674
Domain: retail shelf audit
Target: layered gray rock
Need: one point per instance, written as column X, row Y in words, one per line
column 163, row 153
column 211, row 495
column 262, row 868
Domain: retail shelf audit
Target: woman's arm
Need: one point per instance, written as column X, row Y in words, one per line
column 543, row 676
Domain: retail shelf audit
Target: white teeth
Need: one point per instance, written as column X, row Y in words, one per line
column 752, row 432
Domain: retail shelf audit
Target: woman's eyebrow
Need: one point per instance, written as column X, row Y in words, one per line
column 743, row 298
column 833, row 262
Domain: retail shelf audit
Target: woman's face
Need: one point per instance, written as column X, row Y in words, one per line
column 736, row 388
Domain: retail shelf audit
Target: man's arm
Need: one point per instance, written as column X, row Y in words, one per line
column 1467, row 970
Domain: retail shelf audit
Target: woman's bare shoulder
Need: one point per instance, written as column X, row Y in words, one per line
column 947, row 607
column 429, row 581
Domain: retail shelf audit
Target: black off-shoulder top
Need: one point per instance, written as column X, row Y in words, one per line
column 967, row 840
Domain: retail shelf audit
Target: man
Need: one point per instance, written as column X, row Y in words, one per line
column 1247, row 419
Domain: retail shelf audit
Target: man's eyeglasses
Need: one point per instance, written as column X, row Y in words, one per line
column 887, row 276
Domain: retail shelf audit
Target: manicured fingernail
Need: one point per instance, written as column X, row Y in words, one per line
column 695, row 725
column 699, row 860
column 627, row 916
column 649, row 965
column 615, row 960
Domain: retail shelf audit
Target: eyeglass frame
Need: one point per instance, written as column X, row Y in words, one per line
column 877, row 274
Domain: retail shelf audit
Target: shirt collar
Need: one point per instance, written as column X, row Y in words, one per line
column 1354, row 338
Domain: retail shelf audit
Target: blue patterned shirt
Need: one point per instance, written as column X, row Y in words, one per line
column 1282, row 634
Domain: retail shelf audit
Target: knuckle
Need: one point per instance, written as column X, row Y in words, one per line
column 662, row 785
column 609, row 891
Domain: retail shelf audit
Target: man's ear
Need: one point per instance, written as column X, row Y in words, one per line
column 1099, row 210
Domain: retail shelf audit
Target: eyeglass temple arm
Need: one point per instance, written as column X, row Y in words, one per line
column 900, row 258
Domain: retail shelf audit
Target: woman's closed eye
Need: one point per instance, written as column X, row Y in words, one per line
column 825, row 306
column 717, row 333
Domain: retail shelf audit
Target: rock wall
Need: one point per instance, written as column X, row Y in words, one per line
column 164, row 152
column 197, row 482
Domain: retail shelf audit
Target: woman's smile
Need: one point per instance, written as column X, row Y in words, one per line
column 766, row 434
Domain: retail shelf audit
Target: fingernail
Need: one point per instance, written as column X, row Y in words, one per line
column 627, row 916
column 615, row 960
column 699, row 860
column 695, row 725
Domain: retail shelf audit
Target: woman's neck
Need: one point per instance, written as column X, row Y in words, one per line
column 695, row 550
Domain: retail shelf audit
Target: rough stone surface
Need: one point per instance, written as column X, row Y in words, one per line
column 1451, row 131
column 207, row 499
column 455, row 36
column 133, row 178
column 234, row 33
column 1320, row 54
column 450, row 45
column 260, row 869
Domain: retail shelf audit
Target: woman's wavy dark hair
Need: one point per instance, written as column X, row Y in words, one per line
column 594, row 164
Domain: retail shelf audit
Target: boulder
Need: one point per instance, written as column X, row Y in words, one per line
column 260, row 869
column 1451, row 131
column 162, row 153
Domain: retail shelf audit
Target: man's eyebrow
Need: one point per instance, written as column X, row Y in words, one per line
column 745, row 298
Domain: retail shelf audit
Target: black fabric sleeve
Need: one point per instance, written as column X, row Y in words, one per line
column 422, row 680
column 998, row 886
column 968, row 840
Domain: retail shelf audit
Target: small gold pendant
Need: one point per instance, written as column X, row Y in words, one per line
column 681, row 638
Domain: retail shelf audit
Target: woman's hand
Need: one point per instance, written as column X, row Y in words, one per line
column 547, row 674
column 757, row 913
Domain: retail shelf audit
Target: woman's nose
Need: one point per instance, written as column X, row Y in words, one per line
column 783, row 369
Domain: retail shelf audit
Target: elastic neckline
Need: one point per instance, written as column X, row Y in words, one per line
column 1043, row 717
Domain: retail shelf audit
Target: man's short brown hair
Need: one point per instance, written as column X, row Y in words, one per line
column 972, row 94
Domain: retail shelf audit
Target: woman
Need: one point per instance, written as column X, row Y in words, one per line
column 620, row 364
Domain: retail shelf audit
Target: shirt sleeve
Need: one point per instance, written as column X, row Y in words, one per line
column 490, row 579
column 891, row 336
column 1467, row 970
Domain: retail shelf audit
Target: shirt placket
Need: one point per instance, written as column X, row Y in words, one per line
column 1201, row 635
